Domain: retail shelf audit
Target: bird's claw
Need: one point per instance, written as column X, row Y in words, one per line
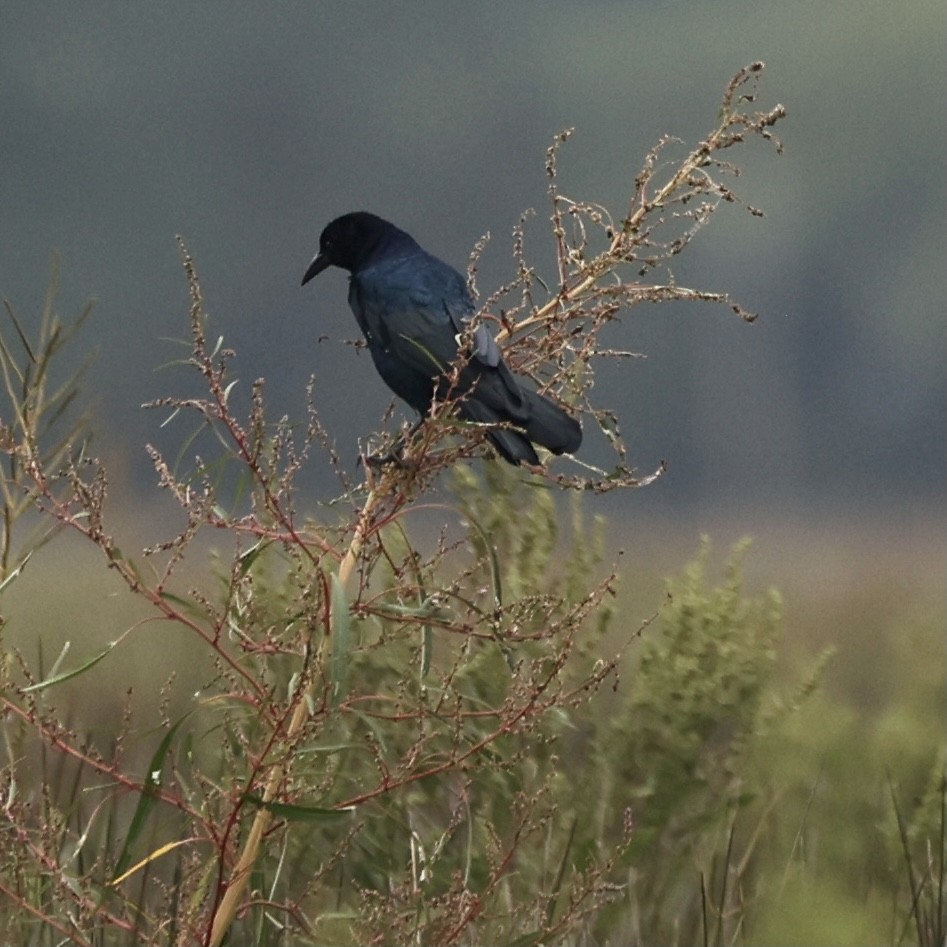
column 391, row 457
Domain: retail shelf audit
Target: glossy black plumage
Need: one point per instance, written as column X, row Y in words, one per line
column 412, row 309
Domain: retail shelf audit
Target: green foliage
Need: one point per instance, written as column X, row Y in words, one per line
column 39, row 426
column 666, row 752
column 698, row 690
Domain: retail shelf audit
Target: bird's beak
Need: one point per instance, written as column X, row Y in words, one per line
column 316, row 267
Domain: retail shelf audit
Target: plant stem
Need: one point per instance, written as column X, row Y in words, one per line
column 227, row 908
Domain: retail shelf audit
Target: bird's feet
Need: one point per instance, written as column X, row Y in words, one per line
column 385, row 459
column 394, row 456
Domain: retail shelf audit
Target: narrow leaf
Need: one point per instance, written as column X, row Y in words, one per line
column 156, row 854
column 532, row 939
column 427, row 646
column 299, row 813
column 341, row 640
column 147, row 799
column 15, row 572
column 494, row 561
column 426, row 609
column 66, row 675
column 249, row 556
column 24, row 339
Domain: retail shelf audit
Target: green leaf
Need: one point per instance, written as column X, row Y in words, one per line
column 229, row 388
column 24, row 339
column 249, row 556
column 189, row 608
column 14, row 573
column 66, row 675
column 341, row 640
column 170, row 417
column 426, row 609
column 298, row 813
column 147, row 800
column 494, row 560
column 532, row 939
column 330, row 748
column 427, row 645
column 118, row 556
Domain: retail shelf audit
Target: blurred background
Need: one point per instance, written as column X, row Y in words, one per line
column 246, row 128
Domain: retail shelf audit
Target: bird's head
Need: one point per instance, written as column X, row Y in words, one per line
column 350, row 242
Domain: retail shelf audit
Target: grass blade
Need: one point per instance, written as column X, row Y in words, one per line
column 146, row 803
column 299, row 813
column 341, row 643
column 75, row 672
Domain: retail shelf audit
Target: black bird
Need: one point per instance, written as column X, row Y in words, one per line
column 413, row 310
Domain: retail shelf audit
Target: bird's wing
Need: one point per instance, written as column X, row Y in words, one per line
column 460, row 310
column 419, row 308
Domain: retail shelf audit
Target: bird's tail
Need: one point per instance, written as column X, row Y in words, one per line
column 546, row 424
column 550, row 426
column 511, row 445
